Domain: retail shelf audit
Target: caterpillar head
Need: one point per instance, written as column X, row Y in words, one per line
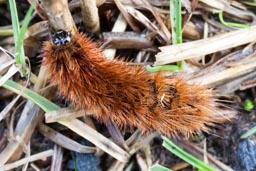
column 61, row 37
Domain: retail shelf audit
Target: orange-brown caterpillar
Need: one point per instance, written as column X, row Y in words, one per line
column 124, row 94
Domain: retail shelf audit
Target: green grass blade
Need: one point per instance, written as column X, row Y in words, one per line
column 162, row 68
column 23, row 30
column 176, row 23
column 41, row 101
column 249, row 3
column 16, row 30
column 20, row 33
column 231, row 24
column 158, row 167
column 15, row 19
column 249, row 133
column 186, row 156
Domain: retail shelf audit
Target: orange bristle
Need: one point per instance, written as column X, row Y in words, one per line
column 128, row 95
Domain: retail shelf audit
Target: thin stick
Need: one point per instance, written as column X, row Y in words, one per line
column 58, row 14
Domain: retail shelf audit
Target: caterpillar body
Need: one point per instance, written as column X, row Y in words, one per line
column 125, row 94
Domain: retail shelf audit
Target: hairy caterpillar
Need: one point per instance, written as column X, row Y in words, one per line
column 124, row 94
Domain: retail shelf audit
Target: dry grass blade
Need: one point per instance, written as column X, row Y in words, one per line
column 134, row 137
column 214, row 78
column 237, row 84
column 6, row 64
column 249, row 83
column 141, row 162
column 35, row 167
column 8, row 108
column 117, row 166
column 13, row 70
column 141, row 142
column 57, row 159
column 220, row 62
column 214, row 3
column 5, row 61
column 64, row 141
column 240, row 14
column 96, row 138
column 142, row 18
column 25, row 160
column 116, row 135
column 65, row 114
column 206, row 46
column 90, row 15
column 119, row 26
column 163, row 28
column 24, row 129
column 218, row 5
column 126, row 16
column 27, row 122
column 147, row 23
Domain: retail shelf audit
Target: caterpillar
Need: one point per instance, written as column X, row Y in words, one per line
column 126, row 94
